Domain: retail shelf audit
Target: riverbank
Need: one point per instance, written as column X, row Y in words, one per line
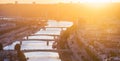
column 12, row 30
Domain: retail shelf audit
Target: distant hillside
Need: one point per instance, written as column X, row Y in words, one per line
column 59, row 11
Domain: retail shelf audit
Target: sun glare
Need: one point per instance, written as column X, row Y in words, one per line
column 95, row 1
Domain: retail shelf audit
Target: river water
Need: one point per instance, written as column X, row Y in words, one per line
column 42, row 56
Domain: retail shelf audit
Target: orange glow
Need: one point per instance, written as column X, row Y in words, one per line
column 96, row 5
column 96, row 1
column 57, row 1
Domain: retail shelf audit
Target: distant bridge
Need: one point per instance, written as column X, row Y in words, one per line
column 39, row 50
column 37, row 40
column 46, row 50
column 56, row 27
column 62, row 28
column 46, row 40
column 44, row 35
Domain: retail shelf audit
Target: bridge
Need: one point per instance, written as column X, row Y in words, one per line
column 54, row 35
column 62, row 28
column 46, row 50
column 44, row 35
column 37, row 40
column 38, row 50
column 56, row 27
column 45, row 40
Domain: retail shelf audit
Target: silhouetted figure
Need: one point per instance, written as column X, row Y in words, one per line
column 1, row 47
column 21, row 55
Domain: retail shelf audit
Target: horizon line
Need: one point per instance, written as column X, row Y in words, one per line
column 34, row 2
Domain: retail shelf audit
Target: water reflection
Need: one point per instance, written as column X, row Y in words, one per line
column 48, row 32
column 42, row 56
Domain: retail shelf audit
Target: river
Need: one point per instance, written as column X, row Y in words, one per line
column 42, row 56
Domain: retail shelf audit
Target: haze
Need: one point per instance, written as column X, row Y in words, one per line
column 51, row 1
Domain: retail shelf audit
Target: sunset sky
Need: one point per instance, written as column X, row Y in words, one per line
column 54, row 1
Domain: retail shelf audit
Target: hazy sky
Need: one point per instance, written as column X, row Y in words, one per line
column 46, row 1
column 30, row 1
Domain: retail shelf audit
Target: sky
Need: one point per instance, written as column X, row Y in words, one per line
column 30, row 1
column 49, row 1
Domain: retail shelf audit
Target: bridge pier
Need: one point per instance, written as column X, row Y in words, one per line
column 62, row 29
column 27, row 37
column 20, row 42
column 47, row 43
column 55, row 37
